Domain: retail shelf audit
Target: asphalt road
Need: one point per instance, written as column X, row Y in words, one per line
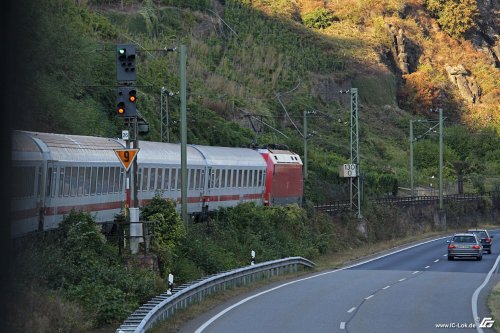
column 411, row 290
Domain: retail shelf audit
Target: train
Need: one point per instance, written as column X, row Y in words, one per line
column 57, row 173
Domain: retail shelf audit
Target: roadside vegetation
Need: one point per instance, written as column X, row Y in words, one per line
column 74, row 279
column 494, row 304
column 271, row 60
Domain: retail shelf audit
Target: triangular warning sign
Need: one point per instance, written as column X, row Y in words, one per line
column 126, row 156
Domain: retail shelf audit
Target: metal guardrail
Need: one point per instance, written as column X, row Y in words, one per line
column 164, row 306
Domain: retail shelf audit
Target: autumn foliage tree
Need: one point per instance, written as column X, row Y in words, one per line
column 456, row 17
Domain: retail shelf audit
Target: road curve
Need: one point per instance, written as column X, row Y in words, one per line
column 409, row 290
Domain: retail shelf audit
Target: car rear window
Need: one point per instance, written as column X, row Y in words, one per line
column 464, row 239
column 480, row 234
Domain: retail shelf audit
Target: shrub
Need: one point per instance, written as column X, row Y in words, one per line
column 456, row 17
column 319, row 18
column 168, row 231
column 87, row 270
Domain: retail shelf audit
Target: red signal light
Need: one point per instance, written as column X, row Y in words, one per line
column 476, row 247
column 451, row 246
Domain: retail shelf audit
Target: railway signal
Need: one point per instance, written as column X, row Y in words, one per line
column 126, row 98
column 125, row 63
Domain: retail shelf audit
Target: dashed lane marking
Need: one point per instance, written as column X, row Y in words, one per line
column 415, row 272
column 401, row 280
column 342, row 325
column 351, row 309
column 369, row 297
column 427, row 266
column 386, row 287
column 436, row 260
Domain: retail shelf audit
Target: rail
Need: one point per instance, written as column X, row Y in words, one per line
column 163, row 306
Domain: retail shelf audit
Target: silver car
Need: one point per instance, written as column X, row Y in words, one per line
column 465, row 245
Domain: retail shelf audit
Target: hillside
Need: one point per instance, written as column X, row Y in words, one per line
column 261, row 64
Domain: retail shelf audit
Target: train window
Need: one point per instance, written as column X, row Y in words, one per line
column 201, row 179
column 166, row 179
column 74, row 181
column 86, row 183
column 112, row 180
column 173, row 178
column 229, row 178
column 100, row 172
column 233, row 183
column 179, row 179
column 217, row 178
column 105, row 180
column 152, row 178
column 198, row 179
column 119, row 180
column 240, row 177
column 192, row 179
column 93, row 181
column 145, row 179
column 160, row 179
column 48, row 186
column 245, row 178
column 223, row 179
column 39, row 178
column 260, row 178
column 66, row 181
column 139, row 179
column 81, row 179
column 211, row 176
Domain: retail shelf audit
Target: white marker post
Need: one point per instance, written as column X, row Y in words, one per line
column 170, row 284
column 252, row 262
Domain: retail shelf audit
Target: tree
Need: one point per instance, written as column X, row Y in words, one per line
column 456, row 17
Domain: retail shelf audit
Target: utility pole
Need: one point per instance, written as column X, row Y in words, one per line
column 306, row 136
column 412, row 193
column 355, row 195
column 165, row 122
column 183, row 93
column 440, row 159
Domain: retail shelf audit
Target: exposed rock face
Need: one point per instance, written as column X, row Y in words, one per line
column 466, row 84
column 399, row 49
column 486, row 37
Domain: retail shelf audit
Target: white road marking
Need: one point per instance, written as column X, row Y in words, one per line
column 444, row 255
column 220, row 314
column 415, row 272
column 401, row 280
column 427, row 266
column 342, row 325
column 478, row 290
column 351, row 309
column 386, row 287
column 436, row 260
column 369, row 297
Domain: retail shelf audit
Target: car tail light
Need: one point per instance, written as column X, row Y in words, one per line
column 476, row 247
column 451, row 246
column 488, row 240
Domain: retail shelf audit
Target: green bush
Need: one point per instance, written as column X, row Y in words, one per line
column 320, row 18
column 168, row 232
column 88, row 270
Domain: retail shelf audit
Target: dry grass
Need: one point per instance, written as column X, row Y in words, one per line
column 494, row 305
